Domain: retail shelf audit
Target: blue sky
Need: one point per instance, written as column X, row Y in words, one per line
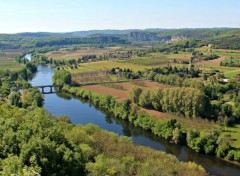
column 76, row 15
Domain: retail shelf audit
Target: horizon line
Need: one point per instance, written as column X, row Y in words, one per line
column 141, row 29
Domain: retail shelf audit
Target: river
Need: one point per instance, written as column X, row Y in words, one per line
column 81, row 112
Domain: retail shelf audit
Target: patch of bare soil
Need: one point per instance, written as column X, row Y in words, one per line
column 215, row 62
column 122, row 95
column 156, row 114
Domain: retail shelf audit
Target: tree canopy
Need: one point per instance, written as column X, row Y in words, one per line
column 61, row 77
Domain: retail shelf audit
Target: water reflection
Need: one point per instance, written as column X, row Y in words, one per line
column 82, row 112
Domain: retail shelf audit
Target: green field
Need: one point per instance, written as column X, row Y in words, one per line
column 228, row 71
column 220, row 68
column 9, row 64
column 106, row 65
column 233, row 133
column 7, row 60
column 179, row 56
column 232, row 73
column 220, row 52
column 147, row 61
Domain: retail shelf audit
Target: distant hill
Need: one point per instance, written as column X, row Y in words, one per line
column 136, row 33
column 77, row 34
column 219, row 37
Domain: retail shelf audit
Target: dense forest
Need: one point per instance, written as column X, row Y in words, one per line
column 34, row 143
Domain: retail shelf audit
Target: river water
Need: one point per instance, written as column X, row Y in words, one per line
column 81, row 112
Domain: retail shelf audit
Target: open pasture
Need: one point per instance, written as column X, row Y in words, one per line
column 7, row 60
column 179, row 56
column 145, row 84
column 220, row 52
column 152, row 60
column 232, row 73
column 107, row 65
column 227, row 71
column 233, row 135
column 75, row 54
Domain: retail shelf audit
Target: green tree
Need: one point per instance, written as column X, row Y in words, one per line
column 61, row 77
column 135, row 94
column 32, row 96
column 223, row 148
column 14, row 98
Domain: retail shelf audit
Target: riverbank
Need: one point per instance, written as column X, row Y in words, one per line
column 169, row 129
column 83, row 112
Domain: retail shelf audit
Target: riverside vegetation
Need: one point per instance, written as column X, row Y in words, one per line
column 34, row 142
column 208, row 142
column 200, row 69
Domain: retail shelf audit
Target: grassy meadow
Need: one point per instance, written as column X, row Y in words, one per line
column 233, row 133
column 106, row 65
column 152, row 60
column 8, row 62
column 179, row 56
column 220, row 52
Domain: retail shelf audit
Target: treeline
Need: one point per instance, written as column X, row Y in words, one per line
column 228, row 42
column 208, row 142
column 49, row 42
column 33, row 144
column 181, row 77
column 188, row 102
column 72, row 41
column 9, row 45
column 176, row 80
column 225, row 107
column 182, row 46
column 167, row 70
